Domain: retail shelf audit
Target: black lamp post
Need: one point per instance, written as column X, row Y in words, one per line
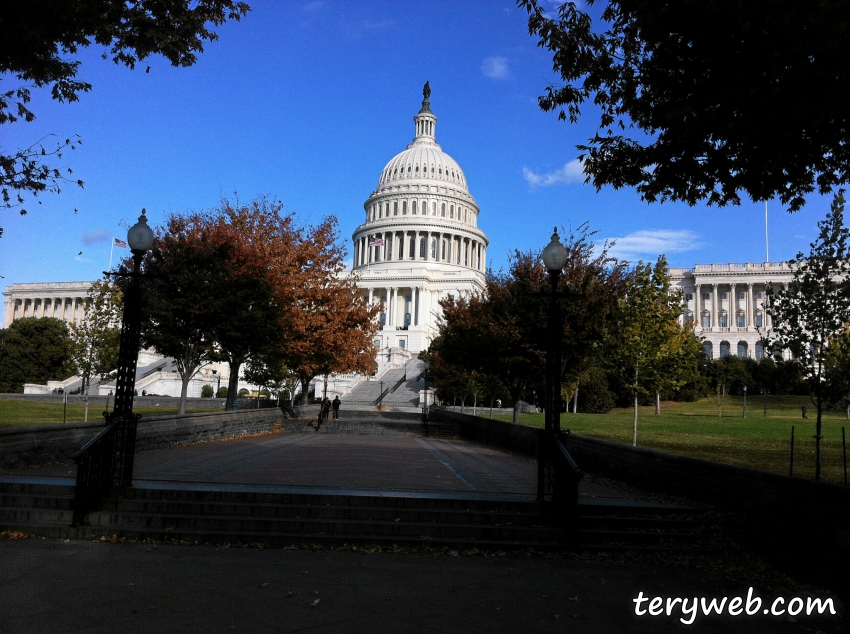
column 745, row 401
column 218, row 387
column 425, row 401
column 140, row 239
column 554, row 259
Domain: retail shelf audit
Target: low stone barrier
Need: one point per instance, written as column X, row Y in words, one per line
column 519, row 438
column 40, row 444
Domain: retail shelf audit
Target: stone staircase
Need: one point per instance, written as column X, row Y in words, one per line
column 279, row 516
column 366, row 393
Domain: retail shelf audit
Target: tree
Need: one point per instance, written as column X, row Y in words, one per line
column 34, row 350
column 96, row 339
column 504, row 333
column 701, row 100
column 653, row 352
column 39, row 38
column 333, row 327
column 810, row 315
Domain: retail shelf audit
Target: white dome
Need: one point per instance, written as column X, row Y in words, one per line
column 422, row 162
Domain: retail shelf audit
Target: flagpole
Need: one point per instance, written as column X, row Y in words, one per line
column 766, row 242
column 111, row 249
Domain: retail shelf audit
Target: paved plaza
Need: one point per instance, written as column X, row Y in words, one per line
column 63, row 586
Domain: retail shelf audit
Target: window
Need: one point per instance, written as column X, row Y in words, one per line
column 741, row 295
column 444, row 210
column 759, row 351
column 378, row 342
column 443, row 257
column 422, row 248
column 724, row 349
column 433, row 248
column 412, row 248
column 723, row 295
column 759, row 320
column 742, row 350
column 389, row 243
column 451, row 211
column 383, row 319
column 706, row 320
column 413, row 207
column 404, row 208
column 395, row 209
column 724, row 320
column 758, row 295
column 741, row 320
column 433, row 206
column 402, row 343
column 706, row 296
column 407, row 317
column 709, row 352
column 689, row 296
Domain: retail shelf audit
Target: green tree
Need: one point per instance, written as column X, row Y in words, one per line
column 810, row 315
column 207, row 391
column 40, row 38
column 34, row 351
column 701, row 100
column 654, row 353
column 95, row 340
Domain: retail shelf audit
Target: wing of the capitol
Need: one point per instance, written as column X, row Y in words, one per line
column 419, row 243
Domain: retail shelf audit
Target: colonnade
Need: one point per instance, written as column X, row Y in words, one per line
column 423, row 246
column 748, row 310
column 69, row 309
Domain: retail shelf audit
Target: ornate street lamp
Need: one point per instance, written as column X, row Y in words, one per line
column 107, row 459
column 425, row 403
column 745, row 401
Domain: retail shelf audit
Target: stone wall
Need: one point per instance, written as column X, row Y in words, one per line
column 40, row 444
column 519, row 438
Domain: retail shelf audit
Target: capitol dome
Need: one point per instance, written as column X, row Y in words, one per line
column 420, row 239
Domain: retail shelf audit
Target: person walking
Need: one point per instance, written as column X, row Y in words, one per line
column 335, row 405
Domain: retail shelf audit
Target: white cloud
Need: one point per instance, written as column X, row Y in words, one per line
column 495, row 67
column 653, row 242
column 96, row 237
column 572, row 172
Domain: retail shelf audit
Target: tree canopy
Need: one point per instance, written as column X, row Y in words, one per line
column 34, row 350
column 39, row 40
column 95, row 340
column 702, row 100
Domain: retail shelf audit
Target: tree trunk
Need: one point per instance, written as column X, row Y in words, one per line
column 474, row 403
column 232, row 385
column 819, row 405
column 657, row 404
column 516, row 411
column 634, row 435
column 848, row 412
column 575, row 400
column 184, row 391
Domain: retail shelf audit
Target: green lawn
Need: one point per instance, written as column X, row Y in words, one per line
column 17, row 413
column 695, row 429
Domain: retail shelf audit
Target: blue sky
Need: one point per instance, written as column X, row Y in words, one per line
column 307, row 102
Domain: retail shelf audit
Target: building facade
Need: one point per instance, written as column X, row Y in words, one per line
column 63, row 300
column 419, row 242
column 725, row 302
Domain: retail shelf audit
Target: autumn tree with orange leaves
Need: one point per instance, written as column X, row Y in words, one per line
column 247, row 283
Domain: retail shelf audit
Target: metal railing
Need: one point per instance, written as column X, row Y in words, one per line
column 559, row 477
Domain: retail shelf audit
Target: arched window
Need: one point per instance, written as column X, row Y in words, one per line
column 404, row 208
column 395, row 208
column 742, row 350
column 433, row 209
column 422, row 248
column 413, row 207
column 709, row 352
column 452, row 211
column 389, row 243
column 444, row 210
column 706, row 320
column 759, row 351
column 433, row 248
column 443, row 257
column 724, row 349
column 412, row 250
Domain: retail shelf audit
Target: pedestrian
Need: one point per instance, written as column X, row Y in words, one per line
column 805, row 409
column 335, row 405
column 499, row 403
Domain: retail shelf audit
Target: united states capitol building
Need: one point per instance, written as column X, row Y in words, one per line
column 419, row 243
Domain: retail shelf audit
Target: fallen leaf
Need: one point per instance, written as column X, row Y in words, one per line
column 264, row 585
column 315, row 603
column 575, row 598
column 288, row 594
column 305, row 572
column 129, row 584
column 545, row 596
column 557, row 616
column 398, row 519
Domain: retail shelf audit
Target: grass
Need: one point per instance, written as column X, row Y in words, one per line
column 19, row 413
column 695, row 429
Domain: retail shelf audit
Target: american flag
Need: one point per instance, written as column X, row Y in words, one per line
column 119, row 243
column 376, row 242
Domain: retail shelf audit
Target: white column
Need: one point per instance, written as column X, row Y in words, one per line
column 749, row 308
column 715, row 322
column 733, row 307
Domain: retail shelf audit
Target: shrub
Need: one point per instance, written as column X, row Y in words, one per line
column 207, row 391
